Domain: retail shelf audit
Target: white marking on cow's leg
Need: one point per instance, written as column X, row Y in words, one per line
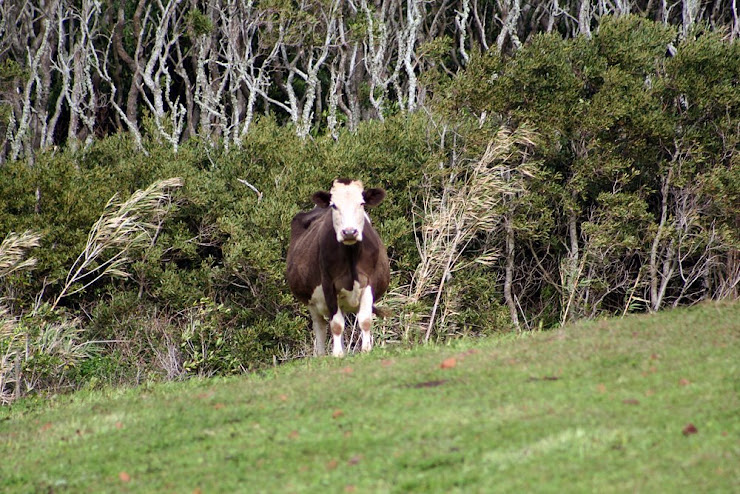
column 337, row 328
column 319, row 330
column 365, row 318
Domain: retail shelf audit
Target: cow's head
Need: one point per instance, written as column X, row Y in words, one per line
column 347, row 199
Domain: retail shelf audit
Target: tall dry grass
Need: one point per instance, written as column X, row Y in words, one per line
column 13, row 251
column 123, row 227
column 453, row 216
column 38, row 348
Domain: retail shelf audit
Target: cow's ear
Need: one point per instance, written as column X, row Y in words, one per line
column 322, row 199
column 373, row 197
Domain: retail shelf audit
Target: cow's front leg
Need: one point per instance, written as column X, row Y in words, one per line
column 319, row 331
column 365, row 318
column 337, row 329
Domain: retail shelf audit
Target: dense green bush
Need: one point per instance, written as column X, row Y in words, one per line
column 637, row 165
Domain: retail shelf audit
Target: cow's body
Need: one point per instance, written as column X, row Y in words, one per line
column 337, row 262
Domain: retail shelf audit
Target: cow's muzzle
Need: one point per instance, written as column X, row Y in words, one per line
column 350, row 236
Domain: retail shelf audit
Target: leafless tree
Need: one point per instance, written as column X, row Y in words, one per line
column 207, row 68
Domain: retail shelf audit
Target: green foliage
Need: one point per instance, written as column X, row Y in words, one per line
column 475, row 303
column 625, row 127
column 632, row 44
column 620, row 222
column 204, row 342
column 10, row 72
column 200, row 23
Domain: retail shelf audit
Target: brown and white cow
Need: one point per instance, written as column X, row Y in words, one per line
column 337, row 262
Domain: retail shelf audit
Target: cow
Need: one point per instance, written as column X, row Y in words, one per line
column 337, row 262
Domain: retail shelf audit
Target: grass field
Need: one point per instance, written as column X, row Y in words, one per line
column 645, row 403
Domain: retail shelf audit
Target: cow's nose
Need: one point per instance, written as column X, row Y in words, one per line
column 349, row 232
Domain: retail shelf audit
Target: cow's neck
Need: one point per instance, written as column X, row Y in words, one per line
column 350, row 254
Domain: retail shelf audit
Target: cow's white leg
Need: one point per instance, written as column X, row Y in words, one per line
column 337, row 329
column 319, row 330
column 365, row 318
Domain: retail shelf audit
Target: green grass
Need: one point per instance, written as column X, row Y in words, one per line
column 601, row 406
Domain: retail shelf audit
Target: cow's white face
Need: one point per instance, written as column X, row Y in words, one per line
column 348, row 211
column 347, row 199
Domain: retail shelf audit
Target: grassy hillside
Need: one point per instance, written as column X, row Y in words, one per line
column 644, row 403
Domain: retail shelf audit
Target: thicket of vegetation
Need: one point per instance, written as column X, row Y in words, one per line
column 571, row 178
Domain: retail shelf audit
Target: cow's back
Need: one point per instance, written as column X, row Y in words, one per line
column 303, row 266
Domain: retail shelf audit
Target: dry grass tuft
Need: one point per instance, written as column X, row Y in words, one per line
column 13, row 250
column 37, row 354
column 123, row 227
column 37, row 351
column 469, row 205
